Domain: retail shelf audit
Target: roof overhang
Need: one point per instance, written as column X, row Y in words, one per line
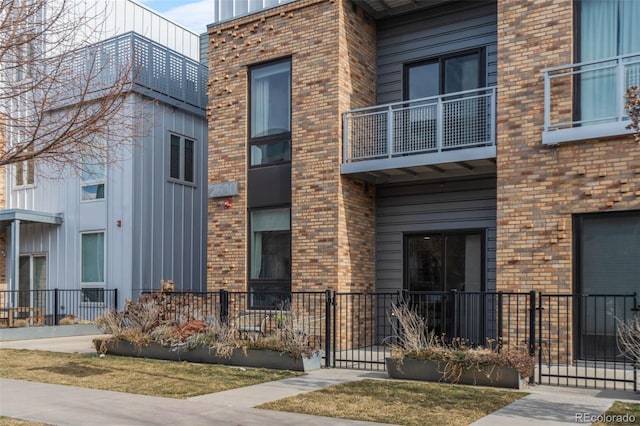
column 33, row 216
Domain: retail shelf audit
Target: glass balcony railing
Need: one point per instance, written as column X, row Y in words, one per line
column 586, row 100
column 450, row 123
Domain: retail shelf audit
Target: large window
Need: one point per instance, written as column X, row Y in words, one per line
column 93, row 182
column 92, row 262
column 25, row 173
column 270, row 253
column 447, row 74
column 270, row 112
column 443, row 262
column 607, row 28
column 182, row 159
column 607, row 249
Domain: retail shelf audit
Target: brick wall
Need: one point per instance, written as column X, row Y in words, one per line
column 540, row 187
column 332, row 217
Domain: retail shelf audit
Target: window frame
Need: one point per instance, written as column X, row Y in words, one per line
column 182, row 160
column 259, row 282
column 94, row 182
column 440, row 60
column 27, row 168
column 94, row 284
column 268, row 139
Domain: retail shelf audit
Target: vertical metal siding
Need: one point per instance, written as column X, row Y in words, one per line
column 423, row 207
column 431, row 33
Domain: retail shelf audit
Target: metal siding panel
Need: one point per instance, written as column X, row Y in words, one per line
column 420, row 207
column 431, row 33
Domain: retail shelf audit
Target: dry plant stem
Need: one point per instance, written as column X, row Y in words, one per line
column 629, row 338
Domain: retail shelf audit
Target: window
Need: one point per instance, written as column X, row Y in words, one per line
column 25, row 173
column 607, row 249
column 92, row 262
column 270, row 112
column 443, row 75
column 443, row 262
column 270, row 252
column 182, row 159
column 93, row 177
column 606, row 29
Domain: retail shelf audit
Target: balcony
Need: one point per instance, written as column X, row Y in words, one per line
column 586, row 100
column 446, row 135
column 152, row 70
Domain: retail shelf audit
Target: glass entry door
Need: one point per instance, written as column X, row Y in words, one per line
column 32, row 281
column 437, row 263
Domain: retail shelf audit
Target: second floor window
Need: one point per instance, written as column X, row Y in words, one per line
column 270, row 112
column 93, row 182
column 25, row 173
column 182, row 159
column 447, row 74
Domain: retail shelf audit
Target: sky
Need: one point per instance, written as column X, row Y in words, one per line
column 193, row 14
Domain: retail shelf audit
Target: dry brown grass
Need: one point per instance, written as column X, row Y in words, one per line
column 8, row 421
column 621, row 409
column 404, row 403
column 132, row 375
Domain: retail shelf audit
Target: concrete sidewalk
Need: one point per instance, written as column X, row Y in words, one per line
column 66, row 405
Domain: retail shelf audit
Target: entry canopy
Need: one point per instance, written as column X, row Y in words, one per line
column 9, row 215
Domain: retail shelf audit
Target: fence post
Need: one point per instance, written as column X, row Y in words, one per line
column 327, row 328
column 532, row 323
column 56, row 306
column 224, row 306
column 499, row 309
column 453, row 311
column 115, row 299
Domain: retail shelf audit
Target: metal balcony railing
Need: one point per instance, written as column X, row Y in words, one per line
column 153, row 69
column 454, row 121
column 586, row 100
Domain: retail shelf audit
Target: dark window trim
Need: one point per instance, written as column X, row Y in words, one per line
column 482, row 68
column 254, row 281
column 280, row 137
column 483, row 255
column 182, row 159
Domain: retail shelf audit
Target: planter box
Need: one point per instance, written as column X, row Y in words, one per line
column 250, row 358
column 431, row 371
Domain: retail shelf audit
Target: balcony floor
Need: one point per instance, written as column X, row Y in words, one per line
column 430, row 166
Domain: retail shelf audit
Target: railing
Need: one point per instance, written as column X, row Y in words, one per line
column 427, row 125
column 154, row 69
column 586, row 100
column 49, row 307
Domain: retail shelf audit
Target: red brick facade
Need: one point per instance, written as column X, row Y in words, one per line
column 332, row 51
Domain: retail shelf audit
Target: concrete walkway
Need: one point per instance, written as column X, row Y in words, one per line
column 66, row 405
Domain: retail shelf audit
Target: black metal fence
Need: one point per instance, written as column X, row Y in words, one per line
column 573, row 336
column 49, row 307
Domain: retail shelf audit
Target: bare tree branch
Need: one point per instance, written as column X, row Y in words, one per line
column 62, row 96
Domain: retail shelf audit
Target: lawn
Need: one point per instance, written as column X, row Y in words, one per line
column 405, row 403
column 132, row 375
column 616, row 414
column 8, row 421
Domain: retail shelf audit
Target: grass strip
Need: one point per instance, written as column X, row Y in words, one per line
column 132, row 375
column 405, row 403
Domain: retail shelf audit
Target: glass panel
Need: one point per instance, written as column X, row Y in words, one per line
column 267, row 153
column 270, row 99
column 19, row 173
column 40, row 281
column 93, row 295
column 24, row 281
column 93, row 257
column 424, row 81
column 270, row 244
column 30, row 166
column 462, row 73
column 424, row 263
column 174, row 167
column 93, row 192
column 188, row 160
